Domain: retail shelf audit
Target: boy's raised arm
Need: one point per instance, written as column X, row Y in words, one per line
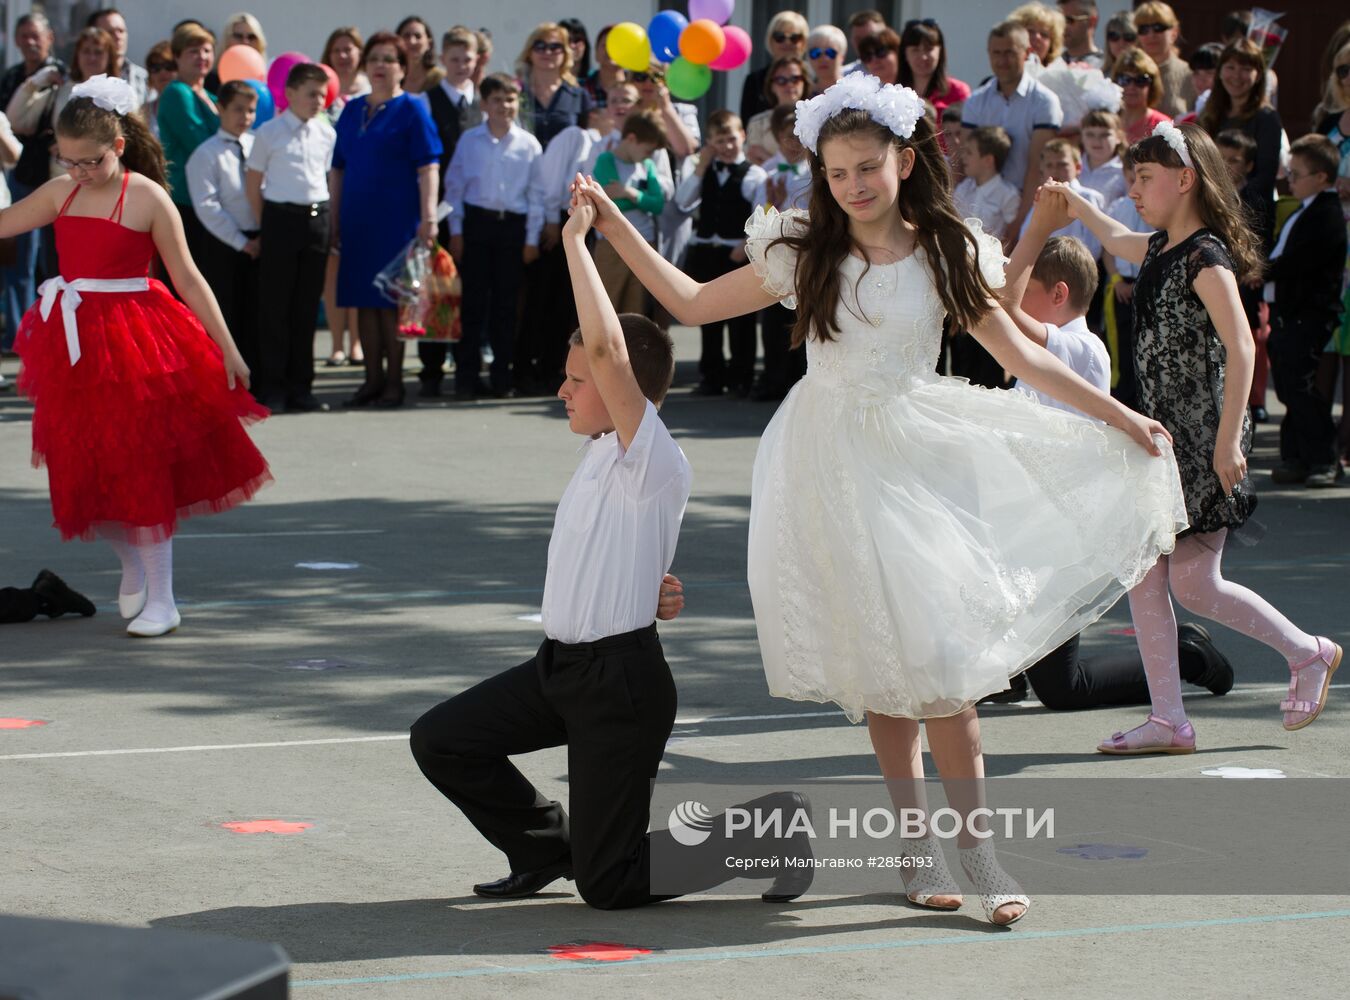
column 602, row 337
column 1046, row 217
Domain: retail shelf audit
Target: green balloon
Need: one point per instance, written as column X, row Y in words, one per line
column 688, row 81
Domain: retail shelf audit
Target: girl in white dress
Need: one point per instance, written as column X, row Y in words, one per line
column 914, row 540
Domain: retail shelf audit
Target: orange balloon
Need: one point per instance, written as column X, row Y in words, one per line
column 703, row 41
column 241, row 62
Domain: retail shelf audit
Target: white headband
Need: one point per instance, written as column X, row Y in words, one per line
column 896, row 107
column 1175, row 138
column 109, row 93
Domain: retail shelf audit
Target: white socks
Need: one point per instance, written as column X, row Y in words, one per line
column 133, row 573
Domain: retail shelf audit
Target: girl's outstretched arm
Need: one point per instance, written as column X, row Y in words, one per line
column 1217, row 289
column 167, row 232
column 37, row 210
column 1118, row 239
column 1042, row 370
column 734, row 294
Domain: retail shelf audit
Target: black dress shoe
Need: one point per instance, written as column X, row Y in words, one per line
column 1017, row 691
column 1259, row 415
column 363, row 396
column 1215, row 672
column 429, row 389
column 1288, row 473
column 797, row 877
column 519, row 885
column 706, row 388
column 58, row 599
column 306, row 404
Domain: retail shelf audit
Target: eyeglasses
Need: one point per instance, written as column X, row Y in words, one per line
column 827, row 53
column 795, row 38
column 160, row 67
column 784, row 81
column 1152, row 29
column 1342, row 71
column 927, row 22
column 65, row 164
column 876, row 54
column 646, row 77
column 243, row 36
column 1117, row 36
column 543, row 46
column 1138, row 80
column 388, row 60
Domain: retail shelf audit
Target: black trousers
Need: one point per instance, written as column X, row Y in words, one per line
column 233, row 277
column 1127, row 383
column 19, row 605
column 783, row 366
column 491, row 273
column 971, row 361
column 1065, row 682
column 1307, row 433
column 705, row 262
column 549, row 317
column 194, row 234
column 612, row 703
column 294, row 256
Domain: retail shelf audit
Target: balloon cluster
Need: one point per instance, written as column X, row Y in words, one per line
column 693, row 46
column 243, row 62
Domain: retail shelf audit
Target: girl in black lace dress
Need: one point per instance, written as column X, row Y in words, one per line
column 1190, row 332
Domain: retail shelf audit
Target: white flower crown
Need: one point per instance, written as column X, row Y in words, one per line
column 1175, row 138
column 896, row 107
column 109, row 93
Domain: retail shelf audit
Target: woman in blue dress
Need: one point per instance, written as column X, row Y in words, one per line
column 384, row 184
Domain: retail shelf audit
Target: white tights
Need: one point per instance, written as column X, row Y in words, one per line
column 1196, row 581
column 150, row 565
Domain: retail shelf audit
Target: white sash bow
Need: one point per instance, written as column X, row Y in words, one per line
column 70, row 301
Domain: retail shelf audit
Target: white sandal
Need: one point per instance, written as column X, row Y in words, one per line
column 924, row 881
column 995, row 886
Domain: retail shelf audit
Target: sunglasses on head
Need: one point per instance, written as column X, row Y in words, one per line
column 795, row 38
column 827, row 53
column 1342, row 71
column 1152, row 29
column 1138, row 80
column 1116, row 36
column 543, row 46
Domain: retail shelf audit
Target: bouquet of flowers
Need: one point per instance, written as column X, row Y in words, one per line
column 1266, row 33
column 425, row 285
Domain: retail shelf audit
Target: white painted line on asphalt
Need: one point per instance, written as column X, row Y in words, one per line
column 281, row 534
column 392, row 737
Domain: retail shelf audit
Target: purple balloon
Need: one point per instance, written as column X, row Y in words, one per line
column 277, row 73
column 714, row 10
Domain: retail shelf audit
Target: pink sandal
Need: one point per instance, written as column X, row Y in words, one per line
column 1182, row 740
column 1329, row 655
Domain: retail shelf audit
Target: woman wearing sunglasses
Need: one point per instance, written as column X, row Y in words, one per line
column 1137, row 76
column 1159, row 29
column 1120, row 38
column 551, row 99
column 825, row 48
column 923, row 66
column 786, row 36
column 788, row 82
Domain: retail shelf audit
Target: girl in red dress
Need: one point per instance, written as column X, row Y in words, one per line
column 138, row 399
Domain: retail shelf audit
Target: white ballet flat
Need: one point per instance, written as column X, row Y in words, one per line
column 131, row 605
column 143, row 628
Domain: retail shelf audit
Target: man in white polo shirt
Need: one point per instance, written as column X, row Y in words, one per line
column 1011, row 99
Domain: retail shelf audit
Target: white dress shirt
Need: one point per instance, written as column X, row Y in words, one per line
column 798, row 175
column 1031, row 106
column 295, row 157
column 1077, row 229
column 1123, row 210
column 570, row 152
column 215, row 177
column 1083, row 351
column 499, row 175
column 1108, row 180
column 615, row 533
column 994, row 203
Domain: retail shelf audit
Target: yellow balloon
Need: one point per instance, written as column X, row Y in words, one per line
column 628, row 46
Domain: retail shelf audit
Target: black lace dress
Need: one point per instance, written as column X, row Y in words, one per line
column 1180, row 363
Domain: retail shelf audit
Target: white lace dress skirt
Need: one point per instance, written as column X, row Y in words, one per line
column 910, row 553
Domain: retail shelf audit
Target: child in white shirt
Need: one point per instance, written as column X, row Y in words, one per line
column 1061, row 161
column 984, row 194
column 1103, row 143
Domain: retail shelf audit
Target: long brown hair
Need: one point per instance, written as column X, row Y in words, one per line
column 1219, row 108
column 1221, row 210
column 99, row 37
column 925, row 201
column 81, row 118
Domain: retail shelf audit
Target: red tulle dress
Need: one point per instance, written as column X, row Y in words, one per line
column 141, row 428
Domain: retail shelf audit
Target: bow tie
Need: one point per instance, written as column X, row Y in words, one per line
column 787, row 168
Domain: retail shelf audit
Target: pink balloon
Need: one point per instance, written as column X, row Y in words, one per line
column 334, row 84
column 737, row 50
column 277, row 73
column 713, row 10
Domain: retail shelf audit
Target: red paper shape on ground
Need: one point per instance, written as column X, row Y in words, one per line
column 596, row 951
column 266, row 826
column 1120, row 631
column 21, row 723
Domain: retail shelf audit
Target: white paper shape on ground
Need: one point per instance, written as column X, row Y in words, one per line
column 537, row 617
column 327, row 565
column 1244, row 773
